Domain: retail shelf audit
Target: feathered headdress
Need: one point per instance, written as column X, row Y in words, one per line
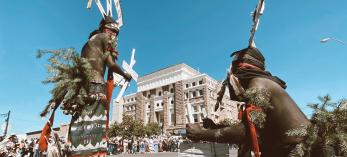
column 259, row 10
column 108, row 15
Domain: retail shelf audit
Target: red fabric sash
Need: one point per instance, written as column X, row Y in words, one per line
column 251, row 127
column 109, row 88
column 110, row 82
column 246, row 65
column 110, row 31
column 46, row 133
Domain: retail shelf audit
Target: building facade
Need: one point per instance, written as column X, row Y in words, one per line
column 173, row 97
column 62, row 132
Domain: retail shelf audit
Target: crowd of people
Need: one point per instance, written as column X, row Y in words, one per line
column 12, row 146
column 153, row 144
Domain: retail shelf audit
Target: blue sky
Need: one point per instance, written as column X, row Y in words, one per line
column 201, row 33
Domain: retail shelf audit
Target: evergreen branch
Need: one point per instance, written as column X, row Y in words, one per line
column 327, row 131
column 70, row 74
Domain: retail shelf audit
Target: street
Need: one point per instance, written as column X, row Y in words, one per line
column 233, row 153
column 163, row 154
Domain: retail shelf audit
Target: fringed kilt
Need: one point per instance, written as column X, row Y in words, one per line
column 87, row 133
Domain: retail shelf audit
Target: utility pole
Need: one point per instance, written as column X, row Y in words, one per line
column 7, row 120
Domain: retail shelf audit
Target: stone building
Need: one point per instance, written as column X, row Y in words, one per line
column 174, row 96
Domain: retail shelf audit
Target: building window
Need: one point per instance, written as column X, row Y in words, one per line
column 194, row 94
column 200, row 82
column 186, row 95
column 201, row 93
column 149, row 95
column 172, row 117
column 193, row 84
column 159, row 93
column 187, row 85
column 148, row 117
column 202, row 109
column 149, row 106
column 172, row 102
column 162, row 104
column 196, row 120
column 171, row 90
column 202, row 115
column 196, row 109
column 157, row 104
